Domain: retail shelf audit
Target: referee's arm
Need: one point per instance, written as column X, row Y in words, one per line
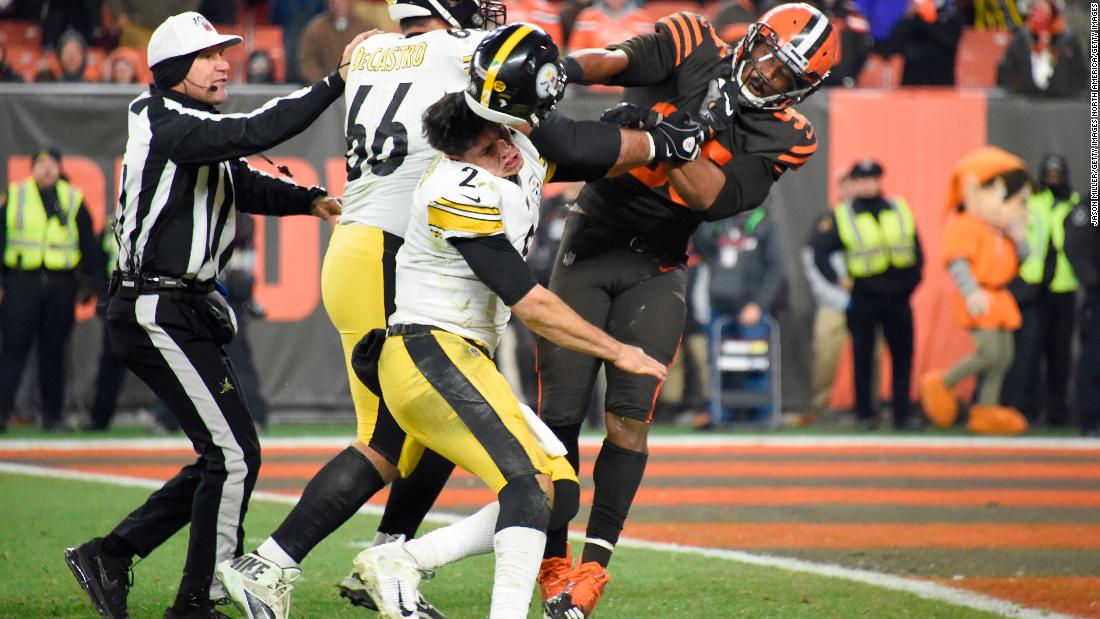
column 188, row 136
column 263, row 194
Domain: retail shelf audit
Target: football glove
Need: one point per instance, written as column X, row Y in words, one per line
column 719, row 108
column 677, row 138
column 630, row 116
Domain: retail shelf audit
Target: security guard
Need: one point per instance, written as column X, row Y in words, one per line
column 183, row 179
column 1083, row 251
column 883, row 254
column 49, row 252
column 1046, row 291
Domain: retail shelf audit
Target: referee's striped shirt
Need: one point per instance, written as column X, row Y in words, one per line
column 184, row 176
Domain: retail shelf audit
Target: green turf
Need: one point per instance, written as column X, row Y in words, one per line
column 43, row 516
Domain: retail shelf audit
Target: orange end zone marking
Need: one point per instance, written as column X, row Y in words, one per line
column 1077, row 595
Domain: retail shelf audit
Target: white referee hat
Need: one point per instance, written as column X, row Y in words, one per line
column 183, row 34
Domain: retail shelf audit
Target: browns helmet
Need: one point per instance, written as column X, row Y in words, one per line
column 483, row 14
column 798, row 36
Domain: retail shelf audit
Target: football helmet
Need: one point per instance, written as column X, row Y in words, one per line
column 798, row 36
column 482, row 14
column 515, row 75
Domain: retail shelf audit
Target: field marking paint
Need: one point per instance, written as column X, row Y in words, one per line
column 931, row 442
column 925, row 589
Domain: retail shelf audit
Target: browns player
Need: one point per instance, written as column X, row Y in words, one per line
column 621, row 262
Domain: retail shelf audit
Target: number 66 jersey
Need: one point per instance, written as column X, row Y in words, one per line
column 392, row 79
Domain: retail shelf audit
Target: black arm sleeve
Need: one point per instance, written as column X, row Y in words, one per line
column 748, row 181
column 580, row 150
column 498, row 265
column 264, row 194
column 90, row 253
column 194, row 137
column 826, row 241
column 652, row 59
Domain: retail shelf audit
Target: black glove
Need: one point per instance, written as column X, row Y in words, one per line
column 630, row 116
column 677, row 138
column 720, row 106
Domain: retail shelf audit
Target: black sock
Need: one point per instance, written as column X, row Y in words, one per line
column 617, row 476
column 411, row 498
column 333, row 496
column 557, row 535
column 117, row 546
column 567, row 499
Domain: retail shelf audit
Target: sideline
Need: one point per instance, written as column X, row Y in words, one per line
column 920, row 588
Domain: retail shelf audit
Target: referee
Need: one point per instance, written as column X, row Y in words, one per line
column 183, row 180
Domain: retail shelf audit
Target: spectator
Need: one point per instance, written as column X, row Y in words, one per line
column 123, row 66
column 136, row 19
column 49, row 262
column 73, row 56
column 261, row 69
column 7, row 74
column 324, row 39
column 745, row 262
column 541, row 13
column 609, row 21
column 292, row 16
column 1046, row 291
column 855, row 40
column 734, row 17
column 928, row 39
column 884, row 260
column 80, row 16
column 1044, row 58
column 983, row 238
column 882, row 15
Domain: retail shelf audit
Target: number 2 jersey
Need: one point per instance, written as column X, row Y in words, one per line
column 669, row 70
column 392, row 79
column 456, row 199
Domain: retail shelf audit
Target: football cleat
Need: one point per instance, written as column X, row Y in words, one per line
column 581, row 594
column 206, row 611
column 354, row 591
column 258, row 587
column 391, row 578
column 106, row 579
column 554, row 574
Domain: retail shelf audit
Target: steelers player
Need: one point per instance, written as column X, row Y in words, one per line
column 460, row 274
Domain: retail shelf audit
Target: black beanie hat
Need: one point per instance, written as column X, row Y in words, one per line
column 171, row 71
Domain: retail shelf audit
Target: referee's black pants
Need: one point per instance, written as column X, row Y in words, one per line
column 37, row 305
column 162, row 339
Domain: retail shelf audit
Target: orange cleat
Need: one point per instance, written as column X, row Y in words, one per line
column 554, row 574
column 1001, row 420
column 939, row 403
column 581, row 594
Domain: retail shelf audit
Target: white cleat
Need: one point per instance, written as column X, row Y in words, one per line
column 391, row 578
column 258, row 587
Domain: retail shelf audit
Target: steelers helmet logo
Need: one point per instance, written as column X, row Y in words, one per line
column 546, row 81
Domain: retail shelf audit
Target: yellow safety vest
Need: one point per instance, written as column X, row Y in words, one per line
column 35, row 241
column 872, row 245
column 1046, row 225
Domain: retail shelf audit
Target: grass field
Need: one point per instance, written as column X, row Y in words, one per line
column 917, row 522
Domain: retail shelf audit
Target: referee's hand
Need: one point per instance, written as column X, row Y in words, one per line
column 326, row 207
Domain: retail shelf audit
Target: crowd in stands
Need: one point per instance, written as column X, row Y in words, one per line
column 884, row 43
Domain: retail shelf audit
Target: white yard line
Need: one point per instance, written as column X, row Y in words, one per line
column 920, row 588
column 930, row 442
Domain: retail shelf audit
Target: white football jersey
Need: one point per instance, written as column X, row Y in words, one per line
column 392, row 79
column 435, row 285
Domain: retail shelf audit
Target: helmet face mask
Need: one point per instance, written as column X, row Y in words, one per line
column 478, row 14
column 799, row 39
column 515, row 76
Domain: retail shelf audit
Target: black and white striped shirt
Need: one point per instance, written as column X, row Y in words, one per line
column 184, row 176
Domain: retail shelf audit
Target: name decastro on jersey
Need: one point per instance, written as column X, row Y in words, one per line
column 456, row 199
column 392, row 79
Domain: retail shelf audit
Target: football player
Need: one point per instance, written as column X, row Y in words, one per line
column 460, row 275
column 622, row 257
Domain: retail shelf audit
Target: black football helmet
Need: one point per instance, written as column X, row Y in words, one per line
column 481, row 14
column 515, row 75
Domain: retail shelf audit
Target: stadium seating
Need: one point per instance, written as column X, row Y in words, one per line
column 979, row 53
column 879, row 72
column 22, row 33
column 23, row 60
